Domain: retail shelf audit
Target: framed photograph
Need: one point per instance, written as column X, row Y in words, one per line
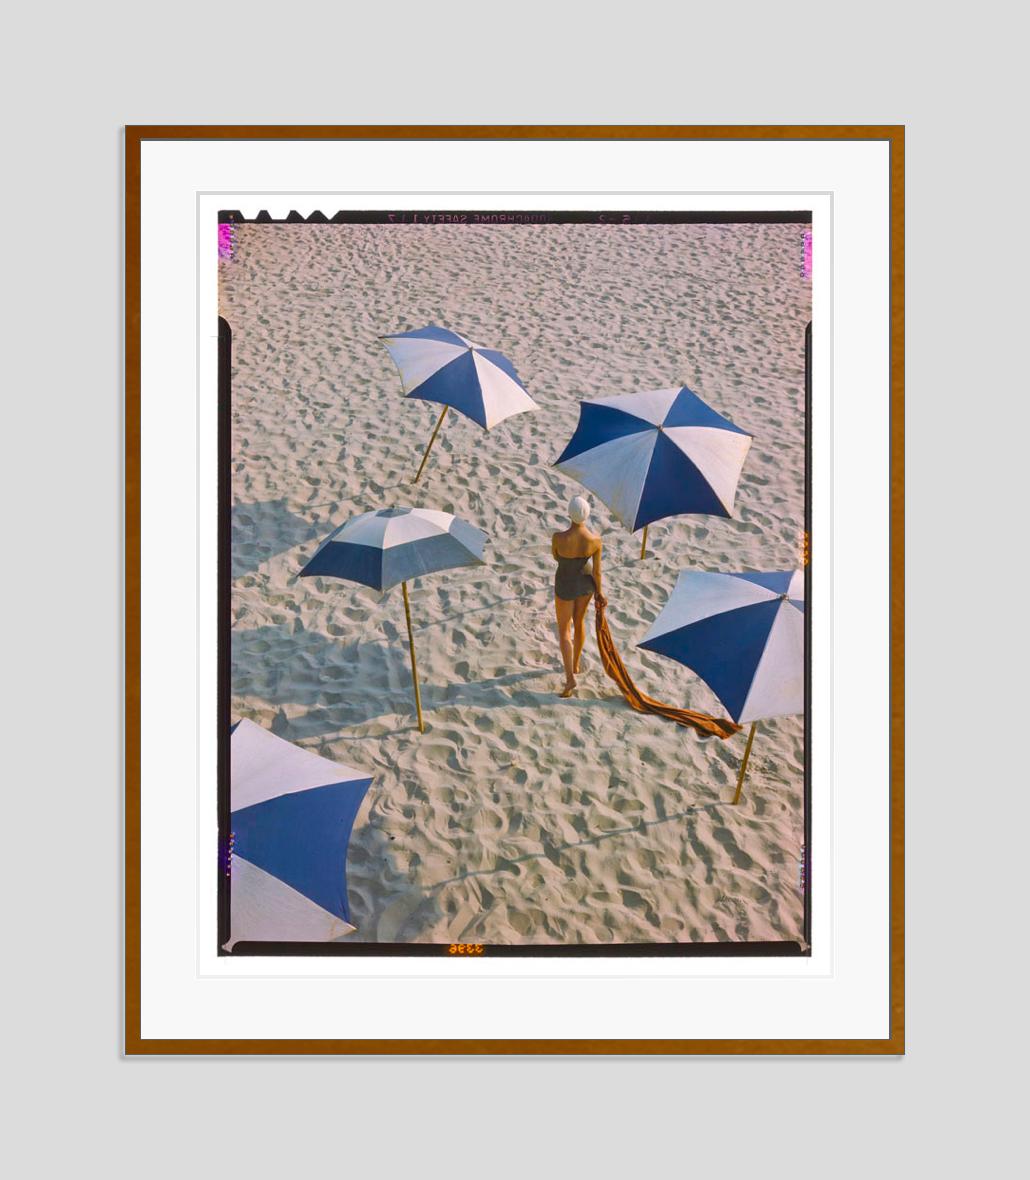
column 514, row 590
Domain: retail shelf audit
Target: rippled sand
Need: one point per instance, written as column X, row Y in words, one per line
column 517, row 817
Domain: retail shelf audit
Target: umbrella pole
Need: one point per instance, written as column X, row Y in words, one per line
column 414, row 665
column 643, row 544
column 743, row 762
column 436, row 431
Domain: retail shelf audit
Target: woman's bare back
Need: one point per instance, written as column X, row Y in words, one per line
column 576, row 541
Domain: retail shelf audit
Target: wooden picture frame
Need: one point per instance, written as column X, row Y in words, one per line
column 135, row 1042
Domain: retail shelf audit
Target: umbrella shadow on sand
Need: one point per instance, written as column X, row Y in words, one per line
column 338, row 685
column 263, row 530
column 343, row 685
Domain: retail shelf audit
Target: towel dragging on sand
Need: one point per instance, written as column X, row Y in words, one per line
column 614, row 667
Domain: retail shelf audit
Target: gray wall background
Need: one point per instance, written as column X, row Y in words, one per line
column 74, row 76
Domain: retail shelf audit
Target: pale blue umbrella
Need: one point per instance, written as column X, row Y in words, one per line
column 656, row 454
column 744, row 635
column 391, row 546
column 438, row 365
column 292, row 813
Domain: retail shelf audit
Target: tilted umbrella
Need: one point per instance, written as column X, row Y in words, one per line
column 437, row 365
column 292, row 813
column 661, row 453
column 380, row 549
column 744, row 635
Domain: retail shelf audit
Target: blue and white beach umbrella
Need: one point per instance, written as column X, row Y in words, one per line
column 661, row 453
column 292, row 814
column 380, row 549
column 744, row 635
column 438, row 365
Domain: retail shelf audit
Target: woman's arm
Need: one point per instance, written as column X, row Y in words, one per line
column 597, row 569
column 554, row 546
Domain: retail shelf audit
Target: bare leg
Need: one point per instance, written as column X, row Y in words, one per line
column 579, row 610
column 563, row 613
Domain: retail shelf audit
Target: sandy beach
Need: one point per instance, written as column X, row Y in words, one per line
column 518, row 817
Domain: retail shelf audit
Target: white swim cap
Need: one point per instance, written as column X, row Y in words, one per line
column 579, row 509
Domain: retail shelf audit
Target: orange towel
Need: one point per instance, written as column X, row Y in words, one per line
column 615, row 668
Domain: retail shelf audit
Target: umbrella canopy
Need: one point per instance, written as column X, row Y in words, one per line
column 381, row 549
column 656, row 454
column 744, row 634
column 292, row 815
column 437, row 365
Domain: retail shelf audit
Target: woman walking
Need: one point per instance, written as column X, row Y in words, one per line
column 573, row 586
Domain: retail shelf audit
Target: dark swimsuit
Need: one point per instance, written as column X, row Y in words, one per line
column 571, row 579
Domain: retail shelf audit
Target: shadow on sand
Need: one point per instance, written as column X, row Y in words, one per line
column 409, row 914
column 341, row 685
column 263, row 530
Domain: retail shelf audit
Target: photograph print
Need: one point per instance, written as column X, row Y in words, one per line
column 514, row 581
